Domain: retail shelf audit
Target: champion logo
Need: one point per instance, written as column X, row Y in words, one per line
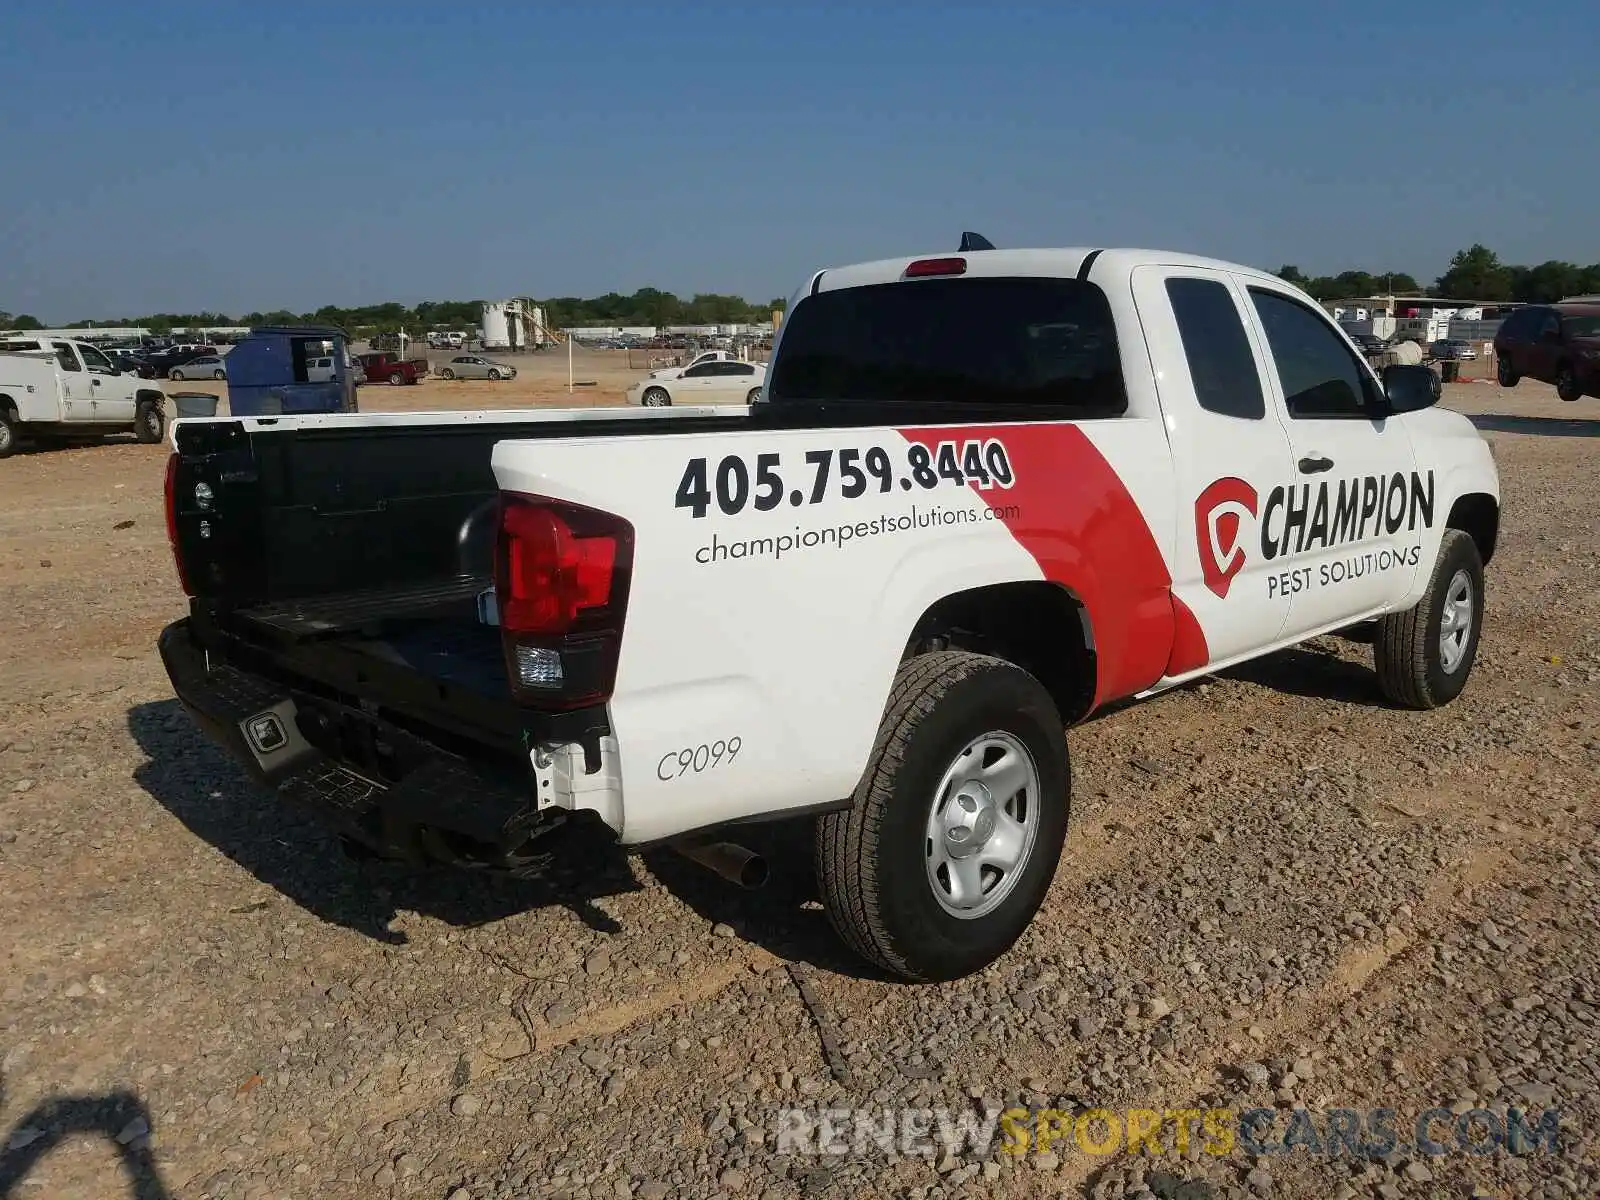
column 1219, row 516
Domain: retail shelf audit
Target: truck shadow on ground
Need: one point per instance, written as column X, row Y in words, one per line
column 785, row 917
column 1537, row 426
column 290, row 851
column 115, row 1116
column 1315, row 674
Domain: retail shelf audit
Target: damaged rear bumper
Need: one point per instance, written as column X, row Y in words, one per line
column 383, row 787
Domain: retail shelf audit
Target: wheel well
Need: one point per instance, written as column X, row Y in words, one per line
column 1041, row 627
column 7, row 404
column 149, row 396
column 1478, row 516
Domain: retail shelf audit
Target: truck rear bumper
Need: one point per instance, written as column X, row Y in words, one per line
column 381, row 786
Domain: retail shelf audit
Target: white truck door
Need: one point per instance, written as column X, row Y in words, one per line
column 113, row 394
column 1346, row 533
column 77, row 396
column 1229, row 449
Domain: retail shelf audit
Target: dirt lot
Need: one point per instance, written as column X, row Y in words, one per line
column 1276, row 891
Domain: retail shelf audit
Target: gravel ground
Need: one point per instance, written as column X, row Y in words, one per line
column 1277, row 892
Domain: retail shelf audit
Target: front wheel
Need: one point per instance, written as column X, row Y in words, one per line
column 494, row 375
column 1505, row 373
column 655, row 398
column 8, row 433
column 1567, row 386
column 1425, row 654
column 151, row 422
column 447, row 373
column 956, row 827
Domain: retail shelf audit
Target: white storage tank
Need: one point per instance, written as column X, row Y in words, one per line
column 496, row 327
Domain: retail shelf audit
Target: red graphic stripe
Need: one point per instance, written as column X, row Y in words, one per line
column 1189, row 649
column 1086, row 532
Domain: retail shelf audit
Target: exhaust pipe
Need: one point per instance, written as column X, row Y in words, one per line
column 734, row 863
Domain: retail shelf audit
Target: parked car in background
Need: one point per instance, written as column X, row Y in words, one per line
column 1453, row 350
column 392, row 368
column 472, row 366
column 1553, row 343
column 206, row 366
column 1369, row 343
column 719, row 381
column 160, row 363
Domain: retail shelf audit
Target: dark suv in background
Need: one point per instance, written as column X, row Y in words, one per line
column 1555, row 343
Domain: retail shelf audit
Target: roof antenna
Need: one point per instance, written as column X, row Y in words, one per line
column 974, row 241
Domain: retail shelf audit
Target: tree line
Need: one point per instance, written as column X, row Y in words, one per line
column 1475, row 273
column 647, row 306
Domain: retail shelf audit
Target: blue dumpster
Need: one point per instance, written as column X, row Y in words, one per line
column 290, row 369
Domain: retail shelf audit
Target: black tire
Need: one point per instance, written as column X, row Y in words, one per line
column 871, row 858
column 175, row 375
column 219, row 374
column 447, row 373
column 656, row 398
column 1407, row 650
column 1505, row 373
column 396, row 379
column 1567, row 386
column 8, row 432
column 150, row 422
column 494, row 375
column 753, row 396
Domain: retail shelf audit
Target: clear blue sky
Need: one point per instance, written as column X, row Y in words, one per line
column 179, row 157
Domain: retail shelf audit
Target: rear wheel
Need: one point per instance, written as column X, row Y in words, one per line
column 1505, row 372
column 956, row 827
column 151, row 422
column 655, row 398
column 396, row 379
column 1567, row 386
column 219, row 374
column 447, row 373
column 8, row 432
column 753, row 396
column 175, row 375
column 1425, row 654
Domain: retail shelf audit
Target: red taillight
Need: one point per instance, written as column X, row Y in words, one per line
column 171, row 491
column 561, row 582
column 550, row 575
column 924, row 267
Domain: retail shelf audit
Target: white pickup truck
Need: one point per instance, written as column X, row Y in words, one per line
column 983, row 495
column 55, row 388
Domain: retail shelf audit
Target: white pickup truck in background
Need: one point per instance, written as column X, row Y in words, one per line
column 983, row 495
column 60, row 389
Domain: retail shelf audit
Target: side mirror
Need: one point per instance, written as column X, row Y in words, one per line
column 1411, row 388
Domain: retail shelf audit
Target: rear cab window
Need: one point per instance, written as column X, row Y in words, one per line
column 1039, row 348
column 1221, row 364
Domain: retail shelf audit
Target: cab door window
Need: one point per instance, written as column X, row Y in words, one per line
column 1321, row 378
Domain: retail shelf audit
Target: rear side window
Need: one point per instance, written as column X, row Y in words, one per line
column 1048, row 344
column 1220, row 363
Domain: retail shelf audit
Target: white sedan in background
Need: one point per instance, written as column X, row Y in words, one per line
column 725, row 381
